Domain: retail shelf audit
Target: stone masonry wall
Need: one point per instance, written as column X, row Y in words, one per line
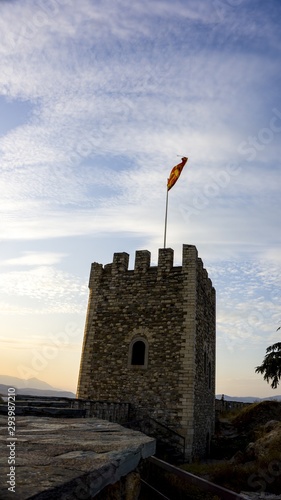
column 169, row 308
column 204, row 403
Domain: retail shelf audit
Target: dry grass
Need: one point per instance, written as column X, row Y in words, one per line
column 224, row 473
column 259, row 470
column 256, row 414
column 263, row 475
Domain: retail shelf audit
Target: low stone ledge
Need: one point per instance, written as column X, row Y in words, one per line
column 45, row 411
column 68, row 459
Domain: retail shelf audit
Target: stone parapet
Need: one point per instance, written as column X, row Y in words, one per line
column 59, row 458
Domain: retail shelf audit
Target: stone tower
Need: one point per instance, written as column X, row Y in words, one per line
column 150, row 340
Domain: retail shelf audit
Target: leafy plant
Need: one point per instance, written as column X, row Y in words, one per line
column 271, row 365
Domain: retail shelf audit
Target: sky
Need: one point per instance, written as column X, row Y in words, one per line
column 98, row 101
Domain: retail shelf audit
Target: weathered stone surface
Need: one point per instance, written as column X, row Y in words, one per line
column 171, row 310
column 66, row 459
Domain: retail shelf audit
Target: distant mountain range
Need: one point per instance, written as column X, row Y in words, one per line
column 248, row 399
column 31, row 387
column 36, row 387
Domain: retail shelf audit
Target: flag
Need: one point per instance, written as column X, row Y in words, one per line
column 175, row 173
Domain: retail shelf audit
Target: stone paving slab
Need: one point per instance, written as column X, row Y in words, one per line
column 67, row 459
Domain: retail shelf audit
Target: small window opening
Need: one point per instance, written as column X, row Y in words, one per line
column 138, row 353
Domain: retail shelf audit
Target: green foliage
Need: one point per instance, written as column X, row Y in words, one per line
column 271, row 365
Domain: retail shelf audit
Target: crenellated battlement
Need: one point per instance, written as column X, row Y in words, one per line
column 142, row 264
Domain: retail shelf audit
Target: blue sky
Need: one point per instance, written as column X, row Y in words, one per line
column 97, row 99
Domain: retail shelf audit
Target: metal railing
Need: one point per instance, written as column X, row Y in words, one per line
column 168, row 441
column 196, row 481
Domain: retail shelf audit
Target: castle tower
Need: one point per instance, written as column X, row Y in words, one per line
column 150, row 340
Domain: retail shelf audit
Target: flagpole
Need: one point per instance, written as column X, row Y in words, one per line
column 166, row 216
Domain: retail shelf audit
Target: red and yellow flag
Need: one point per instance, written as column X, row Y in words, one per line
column 175, row 173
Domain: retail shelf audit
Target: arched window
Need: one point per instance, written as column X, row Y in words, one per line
column 138, row 353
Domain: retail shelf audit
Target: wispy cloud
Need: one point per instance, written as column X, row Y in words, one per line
column 33, row 259
column 248, row 303
column 46, row 289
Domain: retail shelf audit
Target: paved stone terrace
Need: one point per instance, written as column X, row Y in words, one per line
column 68, row 459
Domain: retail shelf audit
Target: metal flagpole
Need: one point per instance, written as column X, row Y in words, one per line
column 166, row 216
